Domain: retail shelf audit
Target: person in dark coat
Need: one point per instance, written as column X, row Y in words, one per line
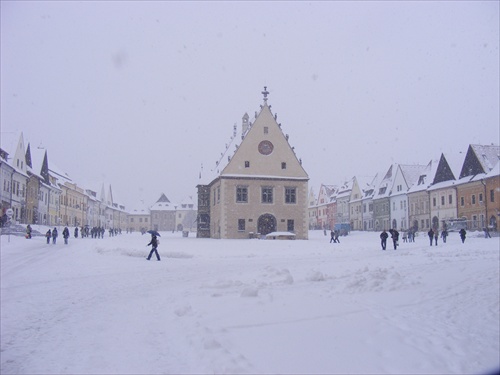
column 436, row 235
column 383, row 239
column 395, row 237
column 444, row 234
column 54, row 235
column 332, row 236
column 48, row 235
column 154, row 244
column 65, row 235
column 336, row 234
column 462, row 233
column 430, row 233
column 76, row 232
column 28, row 231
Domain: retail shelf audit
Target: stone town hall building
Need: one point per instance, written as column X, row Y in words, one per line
column 259, row 189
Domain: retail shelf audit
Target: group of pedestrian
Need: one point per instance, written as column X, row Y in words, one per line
column 334, row 236
column 433, row 235
column 52, row 234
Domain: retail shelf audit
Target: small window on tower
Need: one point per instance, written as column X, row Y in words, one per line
column 283, row 165
column 247, row 164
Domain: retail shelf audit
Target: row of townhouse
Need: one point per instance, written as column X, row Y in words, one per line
column 40, row 193
column 454, row 189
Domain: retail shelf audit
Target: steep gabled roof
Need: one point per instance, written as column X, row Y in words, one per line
column 425, row 178
column 231, row 162
column 479, row 159
column 411, row 173
column 385, row 185
column 163, row 198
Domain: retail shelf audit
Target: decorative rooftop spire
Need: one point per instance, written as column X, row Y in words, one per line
column 265, row 93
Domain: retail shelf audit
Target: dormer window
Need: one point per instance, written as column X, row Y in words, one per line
column 247, row 164
column 283, row 165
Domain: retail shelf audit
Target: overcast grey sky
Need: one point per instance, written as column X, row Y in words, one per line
column 139, row 94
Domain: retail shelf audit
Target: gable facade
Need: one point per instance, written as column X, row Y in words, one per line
column 262, row 189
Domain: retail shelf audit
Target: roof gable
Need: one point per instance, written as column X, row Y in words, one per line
column 479, row 159
column 443, row 171
column 263, row 151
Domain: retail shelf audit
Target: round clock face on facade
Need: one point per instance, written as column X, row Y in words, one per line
column 266, row 147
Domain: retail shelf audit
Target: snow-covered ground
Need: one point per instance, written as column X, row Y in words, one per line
column 97, row 306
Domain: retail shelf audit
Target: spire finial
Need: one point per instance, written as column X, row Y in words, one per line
column 265, row 93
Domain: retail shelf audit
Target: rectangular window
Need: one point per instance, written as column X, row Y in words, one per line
column 241, row 224
column 218, row 194
column 290, row 195
column 247, row 164
column 267, row 194
column 492, row 195
column 462, row 201
column 473, row 199
column 283, row 165
column 480, row 197
column 442, row 201
column 290, row 225
column 434, row 202
column 450, row 199
column 241, row 194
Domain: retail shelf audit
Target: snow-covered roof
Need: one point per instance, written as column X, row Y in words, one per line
column 9, row 141
column 59, row 173
column 495, row 171
column 214, row 169
column 411, row 173
column 425, row 178
column 488, row 155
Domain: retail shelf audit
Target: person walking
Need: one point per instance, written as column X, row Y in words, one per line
column 49, row 236
column 54, row 235
column 444, row 234
column 28, row 232
column 336, row 234
column 154, row 244
column 436, row 235
column 463, row 234
column 76, row 232
column 395, row 238
column 332, row 236
column 430, row 233
column 405, row 236
column 486, row 233
column 65, row 235
column 383, row 239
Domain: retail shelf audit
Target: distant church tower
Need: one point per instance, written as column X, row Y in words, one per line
column 260, row 188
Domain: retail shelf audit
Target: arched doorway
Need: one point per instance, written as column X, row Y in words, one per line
column 415, row 225
column 266, row 224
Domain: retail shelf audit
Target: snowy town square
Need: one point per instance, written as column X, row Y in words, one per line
column 98, row 306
